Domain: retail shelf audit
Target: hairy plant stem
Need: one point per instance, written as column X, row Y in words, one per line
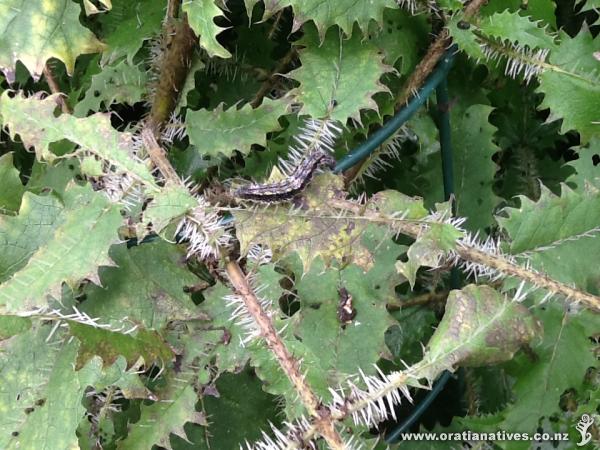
column 424, row 68
column 470, row 253
column 410, row 377
column 287, row 362
column 179, row 41
column 433, row 55
column 159, row 157
column 55, row 89
column 538, row 279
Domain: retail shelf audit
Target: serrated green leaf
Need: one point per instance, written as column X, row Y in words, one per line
column 400, row 26
column 501, row 26
column 201, row 15
column 12, row 188
column 22, row 235
column 480, row 327
column 231, row 355
column 572, row 92
column 587, row 171
column 219, row 132
column 559, row 233
column 344, row 349
column 33, row 120
column 322, row 233
column 473, row 147
column 338, row 77
column 516, row 28
column 563, row 357
column 121, row 83
column 109, row 345
column 239, row 413
column 171, row 202
column 147, row 287
column 58, row 34
column 544, row 10
column 325, row 14
column 551, row 219
column 176, row 407
column 527, row 144
column 276, row 382
column 64, row 258
column 428, row 249
column 329, row 350
column 40, row 399
column 128, row 25
column 54, row 177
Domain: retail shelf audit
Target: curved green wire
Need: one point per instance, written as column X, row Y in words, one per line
column 443, row 123
column 401, row 117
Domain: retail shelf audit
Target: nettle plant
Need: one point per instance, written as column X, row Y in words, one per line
column 184, row 264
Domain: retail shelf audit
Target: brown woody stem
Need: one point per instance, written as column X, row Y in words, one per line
column 433, row 55
column 55, row 89
column 471, row 253
column 179, row 42
column 287, row 362
column 159, row 156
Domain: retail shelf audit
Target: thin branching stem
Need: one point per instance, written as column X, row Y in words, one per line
column 268, row 84
column 475, row 255
column 509, row 268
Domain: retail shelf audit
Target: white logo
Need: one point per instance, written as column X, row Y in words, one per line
column 585, row 422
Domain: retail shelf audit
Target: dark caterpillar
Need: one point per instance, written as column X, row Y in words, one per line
column 287, row 189
column 346, row 311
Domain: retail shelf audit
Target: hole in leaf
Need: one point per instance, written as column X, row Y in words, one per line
column 596, row 159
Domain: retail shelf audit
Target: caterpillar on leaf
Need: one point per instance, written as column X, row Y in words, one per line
column 296, row 182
